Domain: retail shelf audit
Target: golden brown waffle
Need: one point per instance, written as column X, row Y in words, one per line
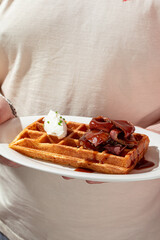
column 34, row 142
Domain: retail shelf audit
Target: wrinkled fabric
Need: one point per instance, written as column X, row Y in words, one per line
column 84, row 58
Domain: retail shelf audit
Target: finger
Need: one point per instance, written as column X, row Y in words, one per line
column 87, row 181
column 7, row 162
column 67, row 178
column 93, row 182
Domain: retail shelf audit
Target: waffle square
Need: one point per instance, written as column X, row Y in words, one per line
column 34, row 142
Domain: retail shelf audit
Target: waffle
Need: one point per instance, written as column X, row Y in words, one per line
column 34, row 142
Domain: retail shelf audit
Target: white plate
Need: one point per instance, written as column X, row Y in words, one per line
column 11, row 128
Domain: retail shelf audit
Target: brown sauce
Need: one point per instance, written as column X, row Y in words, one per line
column 138, row 137
column 143, row 163
column 88, row 160
column 83, row 170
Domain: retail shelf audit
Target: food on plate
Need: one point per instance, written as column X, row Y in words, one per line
column 54, row 124
column 103, row 145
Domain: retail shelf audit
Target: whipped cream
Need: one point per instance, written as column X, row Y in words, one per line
column 55, row 125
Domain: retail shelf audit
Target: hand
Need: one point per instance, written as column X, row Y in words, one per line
column 5, row 110
column 7, row 162
column 87, row 181
column 6, row 114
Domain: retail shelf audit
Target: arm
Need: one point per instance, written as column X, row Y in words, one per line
column 154, row 128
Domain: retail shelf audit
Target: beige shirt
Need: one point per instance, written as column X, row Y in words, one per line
column 84, row 58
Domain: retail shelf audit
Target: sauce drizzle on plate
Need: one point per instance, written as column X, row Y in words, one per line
column 143, row 163
column 83, row 170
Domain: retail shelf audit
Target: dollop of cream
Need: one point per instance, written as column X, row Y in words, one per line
column 54, row 124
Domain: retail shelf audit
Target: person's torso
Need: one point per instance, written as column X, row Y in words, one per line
column 83, row 58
